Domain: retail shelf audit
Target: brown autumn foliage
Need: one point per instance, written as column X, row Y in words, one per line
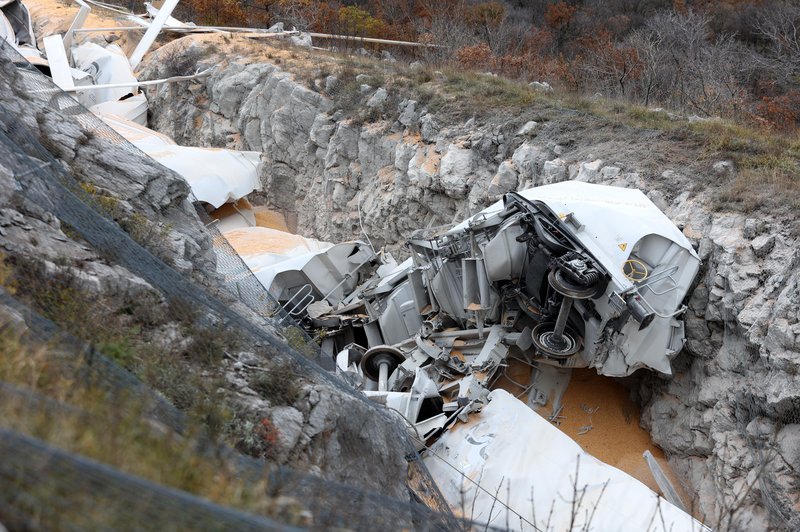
column 559, row 14
column 476, row 56
column 733, row 58
column 215, row 12
column 486, row 14
column 780, row 112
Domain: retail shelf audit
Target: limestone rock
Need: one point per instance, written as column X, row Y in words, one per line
column 455, row 171
column 528, row 129
column 423, row 168
column 321, row 131
column 12, row 320
column 429, row 128
column 657, row 197
column 378, row 99
column 540, row 86
column 409, row 114
column 505, row 180
column 526, row 158
column 763, row 244
column 789, row 442
column 289, row 422
column 230, row 90
column 589, row 172
column 554, row 171
column 754, row 227
column 303, row 40
column 724, row 167
column 609, row 173
column 331, row 83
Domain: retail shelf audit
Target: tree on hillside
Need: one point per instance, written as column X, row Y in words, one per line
column 558, row 18
column 304, row 15
column 609, row 66
column 216, row 12
column 684, row 66
column 354, row 20
column 780, row 26
column 486, row 18
column 707, row 57
column 652, row 54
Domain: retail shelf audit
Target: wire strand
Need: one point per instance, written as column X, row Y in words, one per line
column 437, row 455
column 490, row 494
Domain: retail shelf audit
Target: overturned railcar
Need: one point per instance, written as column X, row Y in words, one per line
column 591, row 275
column 570, row 274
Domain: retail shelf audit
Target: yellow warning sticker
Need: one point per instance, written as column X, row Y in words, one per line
column 623, row 246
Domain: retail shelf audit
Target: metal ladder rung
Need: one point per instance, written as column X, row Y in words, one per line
column 306, row 297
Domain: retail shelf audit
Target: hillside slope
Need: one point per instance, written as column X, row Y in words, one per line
column 358, row 145
column 105, row 243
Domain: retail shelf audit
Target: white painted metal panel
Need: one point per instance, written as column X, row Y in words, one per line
column 77, row 23
column 152, row 32
column 614, row 219
column 216, row 176
column 59, row 64
column 531, row 467
column 133, row 108
column 109, row 69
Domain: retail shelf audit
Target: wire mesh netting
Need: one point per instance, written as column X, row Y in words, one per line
column 95, row 369
column 747, row 446
column 758, row 427
column 46, row 182
column 241, row 282
column 81, row 494
column 55, row 489
column 770, row 464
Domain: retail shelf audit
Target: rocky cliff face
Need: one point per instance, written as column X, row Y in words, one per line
column 728, row 417
column 319, row 429
column 149, row 200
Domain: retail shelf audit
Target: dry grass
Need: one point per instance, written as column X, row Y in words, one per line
column 165, row 344
column 768, row 164
column 49, row 392
column 112, row 430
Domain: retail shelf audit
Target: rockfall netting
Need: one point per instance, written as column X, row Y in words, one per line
column 770, row 463
column 44, row 487
column 766, row 482
column 750, row 455
column 762, row 429
column 50, row 489
column 241, row 282
column 759, row 428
